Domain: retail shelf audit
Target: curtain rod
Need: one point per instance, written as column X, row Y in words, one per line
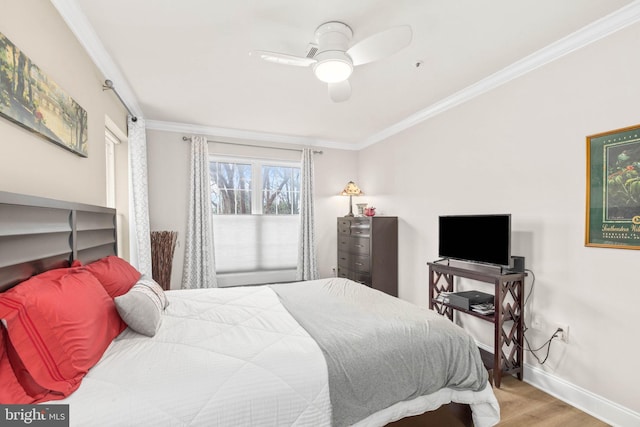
column 188, row 138
column 108, row 85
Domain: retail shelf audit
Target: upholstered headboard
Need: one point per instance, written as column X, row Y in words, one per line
column 39, row 234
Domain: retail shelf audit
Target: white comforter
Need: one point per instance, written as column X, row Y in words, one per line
column 227, row 357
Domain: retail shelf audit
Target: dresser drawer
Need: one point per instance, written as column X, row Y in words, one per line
column 364, row 278
column 360, row 221
column 344, row 273
column 343, row 260
column 360, row 229
column 361, row 264
column 356, row 276
column 344, row 242
column 344, row 226
column 359, row 245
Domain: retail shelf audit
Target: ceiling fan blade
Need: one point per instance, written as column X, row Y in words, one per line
column 283, row 58
column 339, row 92
column 380, row 45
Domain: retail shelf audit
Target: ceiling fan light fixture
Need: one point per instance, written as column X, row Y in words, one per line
column 332, row 67
column 332, row 56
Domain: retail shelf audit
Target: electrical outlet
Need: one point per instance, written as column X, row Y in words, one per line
column 335, row 273
column 544, row 327
column 564, row 334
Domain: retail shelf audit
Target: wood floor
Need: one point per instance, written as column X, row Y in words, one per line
column 521, row 405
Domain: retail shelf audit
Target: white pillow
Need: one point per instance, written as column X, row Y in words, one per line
column 141, row 308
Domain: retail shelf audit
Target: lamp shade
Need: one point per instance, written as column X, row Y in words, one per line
column 351, row 190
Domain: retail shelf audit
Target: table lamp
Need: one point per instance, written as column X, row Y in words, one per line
column 351, row 190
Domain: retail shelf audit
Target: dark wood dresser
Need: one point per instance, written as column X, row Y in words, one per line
column 368, row 251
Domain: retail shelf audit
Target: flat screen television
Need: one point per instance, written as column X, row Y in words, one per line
column 483, row 239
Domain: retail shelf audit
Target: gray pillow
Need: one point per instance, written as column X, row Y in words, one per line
column 141, row 308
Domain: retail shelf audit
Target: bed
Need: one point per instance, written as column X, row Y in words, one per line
column 321, row 353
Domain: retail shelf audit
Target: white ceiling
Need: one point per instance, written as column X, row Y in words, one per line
column 184, row 65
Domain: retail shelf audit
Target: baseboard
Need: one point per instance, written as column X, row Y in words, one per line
column 585, row 400
column 591, row 403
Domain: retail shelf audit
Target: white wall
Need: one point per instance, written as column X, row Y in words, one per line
column 520, row 149
column 30, row 164
column 168, row 160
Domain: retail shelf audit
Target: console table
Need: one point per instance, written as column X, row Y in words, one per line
column 507, row 318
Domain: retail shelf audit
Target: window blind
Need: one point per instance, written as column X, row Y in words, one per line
column 255, row 249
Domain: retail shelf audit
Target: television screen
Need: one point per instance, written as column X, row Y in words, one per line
column 476, row 238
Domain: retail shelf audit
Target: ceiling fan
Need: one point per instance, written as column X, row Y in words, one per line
column 333, row 59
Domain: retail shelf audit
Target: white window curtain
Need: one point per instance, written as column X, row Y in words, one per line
column 307, row 262
column 141, row 239
column 199, row 264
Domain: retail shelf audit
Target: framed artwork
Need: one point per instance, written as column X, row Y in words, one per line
column 29, row 98
column 613, row 189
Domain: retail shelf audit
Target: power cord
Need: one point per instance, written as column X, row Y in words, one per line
column 533, row 282
column 526, row 299
column 547, row 344
column 526, row 328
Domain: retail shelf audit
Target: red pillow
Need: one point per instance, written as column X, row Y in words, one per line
column 58, row 327
column 116, row 275
column 11, row 391
column 17, row 383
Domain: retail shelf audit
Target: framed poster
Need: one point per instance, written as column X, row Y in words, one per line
column 31, row 99
column 613, row 189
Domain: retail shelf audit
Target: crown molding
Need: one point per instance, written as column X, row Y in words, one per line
column 77, row 21
column 240, row 134
column 595, row 31
column 615, row 21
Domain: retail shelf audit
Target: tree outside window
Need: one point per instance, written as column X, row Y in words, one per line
column 230, row 188
column 280, row 190
column 235, row 187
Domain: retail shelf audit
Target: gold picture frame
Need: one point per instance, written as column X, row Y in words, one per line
column 613, row 189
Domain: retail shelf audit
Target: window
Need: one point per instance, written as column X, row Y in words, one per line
column 233, row 190
column 280, row 190
column 255, row 204
column 230, row 188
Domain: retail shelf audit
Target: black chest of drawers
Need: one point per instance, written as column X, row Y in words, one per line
column 368, row 251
